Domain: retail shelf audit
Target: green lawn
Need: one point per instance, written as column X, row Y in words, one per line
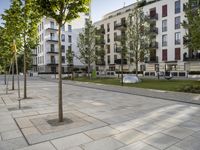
column 168, row 85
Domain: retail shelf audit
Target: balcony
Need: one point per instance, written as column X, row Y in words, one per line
column 152, row 59
column 119, row 61
column 52, row 29
column 120, row 26
column 154, row 45
column 52, row 39
column 52, row 63
column 52, row 52
column 194, row 57
column 154, row 30
column 153, row 17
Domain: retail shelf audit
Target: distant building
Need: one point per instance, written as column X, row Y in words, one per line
column 45, row 57
column 169, row 52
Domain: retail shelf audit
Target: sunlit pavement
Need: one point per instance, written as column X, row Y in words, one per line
column 99, row 120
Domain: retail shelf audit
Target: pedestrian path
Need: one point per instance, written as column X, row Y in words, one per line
column 173, row 96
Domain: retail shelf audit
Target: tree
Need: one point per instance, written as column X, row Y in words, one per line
column 135, row 36
column 12, row 18
column 86, row 45
column 62, row 11
column 21, row 20
column 192, row 13
column 70, row 60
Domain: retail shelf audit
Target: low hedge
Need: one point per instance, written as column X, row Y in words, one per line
column 190, row 89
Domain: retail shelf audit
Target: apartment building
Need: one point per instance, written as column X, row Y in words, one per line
column 168, row 50
column 45, row 57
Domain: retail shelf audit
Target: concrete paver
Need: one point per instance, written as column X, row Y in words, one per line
column 102, row 120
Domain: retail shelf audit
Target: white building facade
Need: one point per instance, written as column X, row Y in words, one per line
column 169, row 51
column 45, row 57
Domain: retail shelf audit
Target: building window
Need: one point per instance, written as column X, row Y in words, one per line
column 177, row 7
column 108, row 59
column 164, row 40
column 63, row 59
column 108, row 49
column 108, row 27
column 108, row 38
column 69, row 28
column 115, row 24
column 177, row 38
column 164, row 25
column 177, row 53
column 52, row 25
column 178, row 22
column 63, row 28
column 164, row 11
column 52, row 35
column 69, row 38
column 164, row 54
column 115, row 57
column 70, row 48
column 52, row 46
column 63, row 38
column 63, row 48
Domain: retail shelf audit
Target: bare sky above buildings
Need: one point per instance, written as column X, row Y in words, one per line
column 99, row 7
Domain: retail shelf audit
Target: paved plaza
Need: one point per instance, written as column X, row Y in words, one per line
column 95, row 119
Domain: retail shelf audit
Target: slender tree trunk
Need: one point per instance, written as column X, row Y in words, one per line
column 89, row 71
column 60, row 106
column 136, row 63
column 122, row 70
column 13, row 75
column 5, row 75
column 25, row 72
column 17, row 72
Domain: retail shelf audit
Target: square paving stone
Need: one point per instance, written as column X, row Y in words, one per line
column 174, row 148
column 161, row 141
column 101, row 132
column 71, row 141
column 178, row 132
column 11, row 134
column 129, row 136
column 150, row 128
column 189, row 143
column 191, row 125
column 13, row 144
column 103, row 144
column 41, row 146
column 138, row 146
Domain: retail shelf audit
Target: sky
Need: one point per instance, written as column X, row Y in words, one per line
column 99, row 7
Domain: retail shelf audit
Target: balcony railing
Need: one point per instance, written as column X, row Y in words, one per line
column 153, row 17
column 52, row 28
column 52, row 52
column 194, row 57
column 52, row 63
column 120, row 26
column 154, row 30
column 153, row 59
column 153, row 45
column 52, row 39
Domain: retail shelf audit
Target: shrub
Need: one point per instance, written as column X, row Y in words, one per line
column 190, row 89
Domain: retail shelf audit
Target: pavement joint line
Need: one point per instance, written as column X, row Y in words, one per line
column 21, row 132
column 116, row 91
column 3, row 100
